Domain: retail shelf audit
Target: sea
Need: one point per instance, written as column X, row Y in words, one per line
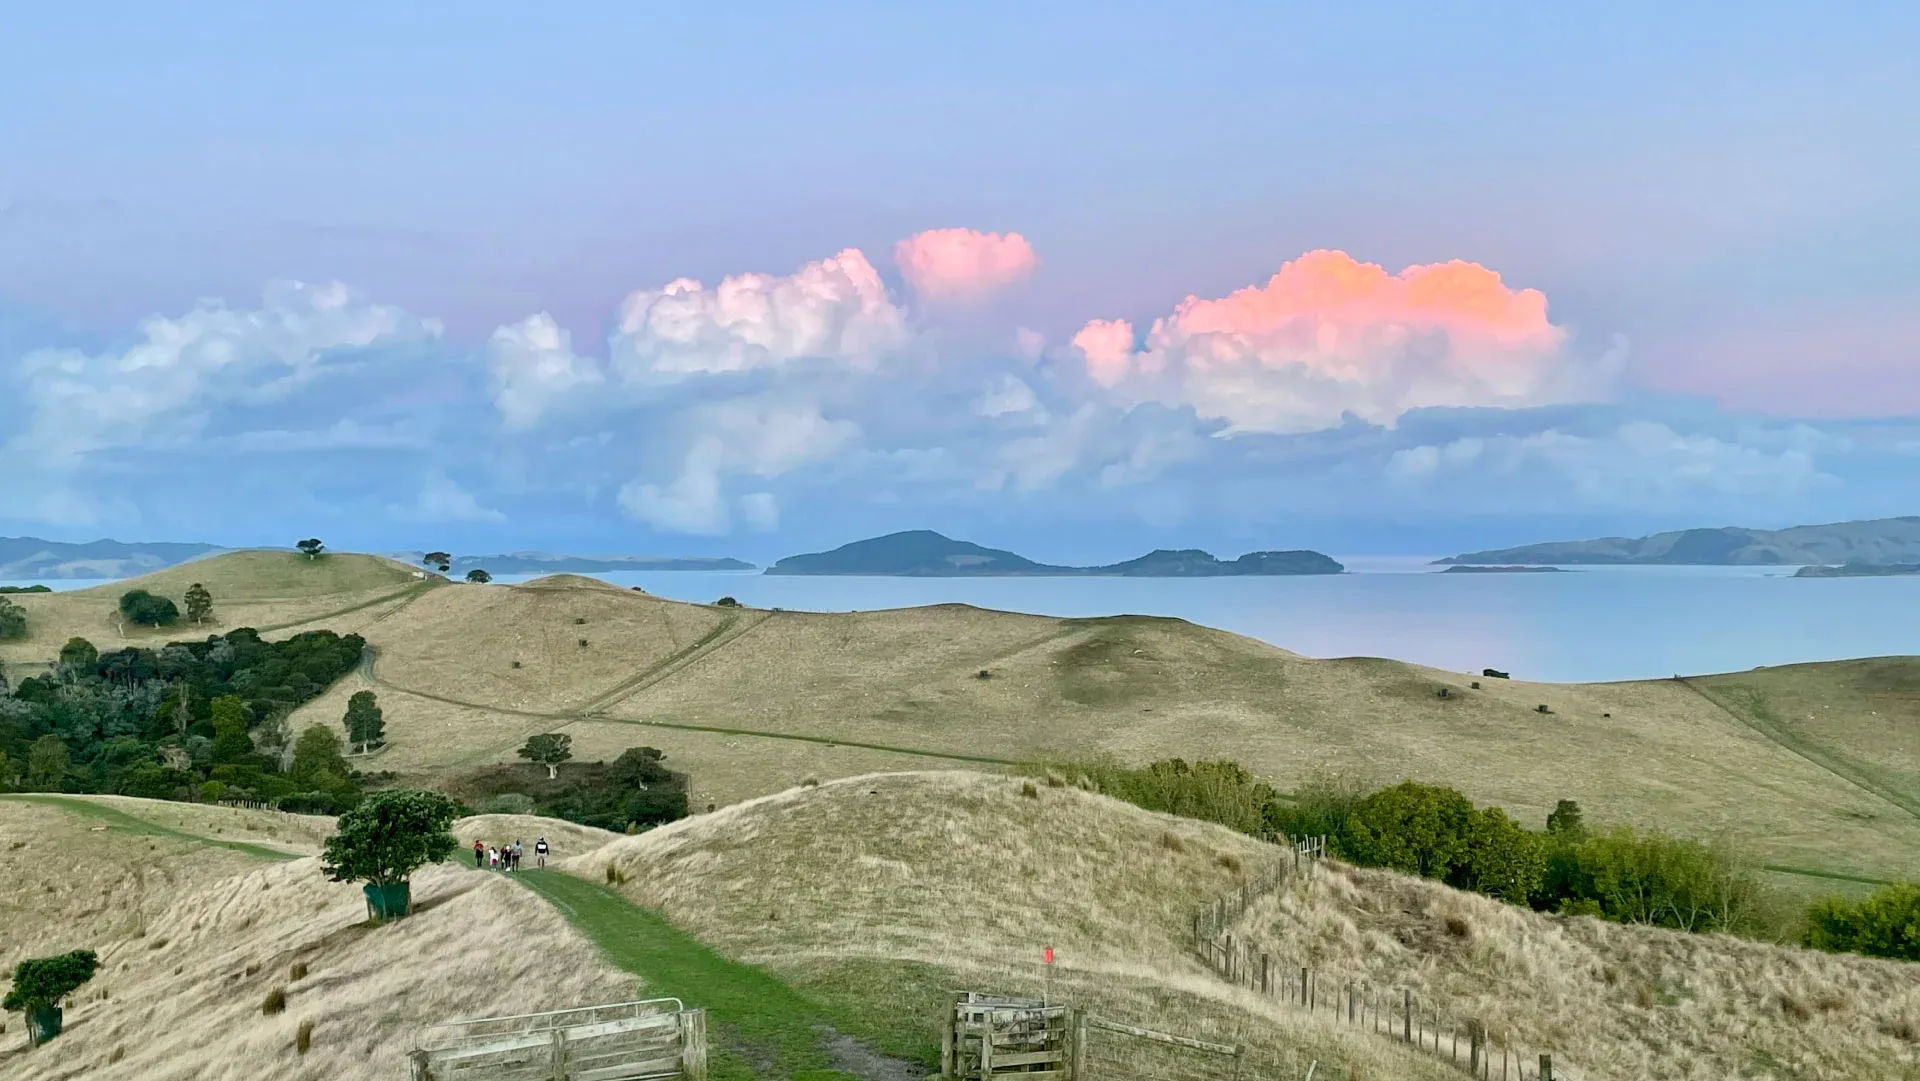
column 1579, row 625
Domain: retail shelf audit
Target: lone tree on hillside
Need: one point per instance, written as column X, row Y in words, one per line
column 1566, row 819
column 479, row 577
column 366, row 726
column 199, row 603
column 384, row 840
column 39, row 983
column 549, row 749
column 144, row 608
column 13, row 620
column 311, row 547
column 439, row 561
column 78, row 655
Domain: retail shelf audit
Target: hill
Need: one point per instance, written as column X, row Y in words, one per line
column 1859, row 570
column 30, row 557
column 1883, row 540
column 883, row 892
column 750, row 701
column 925, row 554
column 549, row 563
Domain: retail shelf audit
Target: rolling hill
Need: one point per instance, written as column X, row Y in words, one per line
column 1883, row 540
column 1819, row 773
column 923, row 553
column 33, row 558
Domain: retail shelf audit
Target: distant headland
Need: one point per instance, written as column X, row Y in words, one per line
column 922, row 553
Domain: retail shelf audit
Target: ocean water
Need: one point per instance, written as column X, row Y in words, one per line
column 1602, row 623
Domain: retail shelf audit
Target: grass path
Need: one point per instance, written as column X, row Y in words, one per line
column 121, row 822
column 761, row 1026
column 406, row 595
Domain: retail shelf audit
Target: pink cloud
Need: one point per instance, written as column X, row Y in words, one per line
column 962, row 264
column 1329, row 335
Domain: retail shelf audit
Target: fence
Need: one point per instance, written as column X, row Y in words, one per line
column 997, row 1036
column 1393, row 1012
column 623, row 1041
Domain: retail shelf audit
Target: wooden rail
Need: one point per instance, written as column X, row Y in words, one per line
column 651, row 1040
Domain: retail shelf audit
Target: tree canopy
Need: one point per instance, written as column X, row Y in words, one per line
column 440, row 561
column 13, row 620
column 549, row 749
column 311, row 547
column 147, row 609
column 389, row 836
column 366, row 725
column 199, row 603
column 40, row 983
column 479, row 577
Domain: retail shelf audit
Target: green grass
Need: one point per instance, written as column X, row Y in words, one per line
column 122, row 822
column 761, row 1026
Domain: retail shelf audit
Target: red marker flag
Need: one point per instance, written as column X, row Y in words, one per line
column 1048, row 955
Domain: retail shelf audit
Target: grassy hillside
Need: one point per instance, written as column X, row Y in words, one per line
column 752, row 701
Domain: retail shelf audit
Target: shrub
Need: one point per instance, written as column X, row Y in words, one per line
column 13, row 620
column 142, row 607
column 1885, row 923
column 508, row 803
column 1321, row 807
column 579, row 621
column 297, row 972
column 1503, row 860
column 1415, row 828
column 1030, row 790
column 389, row 836
column 726, row 602
column 1658, row 879
column 40, row 983
column 303, row 1037
column 276, row 1002
column 1211, row 791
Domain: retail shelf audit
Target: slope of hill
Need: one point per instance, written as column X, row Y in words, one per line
column 922, row 553
column 550, row 563
column 882, row 892
column 1882, row 540
column 31, row 557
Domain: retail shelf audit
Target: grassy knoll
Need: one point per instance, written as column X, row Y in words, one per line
column 119, row 821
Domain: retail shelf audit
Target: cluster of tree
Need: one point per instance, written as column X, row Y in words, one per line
column 443, row 562
column 191, row 720
column 13, row 620
column 1886, row 923
column 26, row 589
column 149, row 610
column 635, row 790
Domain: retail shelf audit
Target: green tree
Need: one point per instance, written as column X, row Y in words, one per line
column 78, row 655
column 1885, row 923
column 144, row 608
column 47, row 763
column 389, row 836
column 365, row 724
column 6, row 771
column 13, row 620
column 39, row 983
column 439, row 561
column 1415, row 828
column 311, row 547
column 1565, row 820
column 549, row 749
column 199, row 603
column 318, row 765
column 1503, row 859
column 230, row 740
column 479, row 577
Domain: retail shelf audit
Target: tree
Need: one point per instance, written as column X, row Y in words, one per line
column 230, row 740
column 1886, row 923
column 311, row 547
column 148, row 610
column 549, row 749
column 39, row 983
column 1565, row 821
column 78, row 655
column 13, row 620
column 365, row 724
column 318, row 765
column 1503, row 860
column 1416, row 828
column 479, row 577
column 389, row 836
column 199, row 603
column 47, row 763
column 439, row 561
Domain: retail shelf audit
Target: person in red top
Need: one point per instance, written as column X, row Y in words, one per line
column 479, row 855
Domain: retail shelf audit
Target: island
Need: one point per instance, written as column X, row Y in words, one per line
column 1502, row 568
column 922, row 553
column 1858, row 570
column 1880, row 541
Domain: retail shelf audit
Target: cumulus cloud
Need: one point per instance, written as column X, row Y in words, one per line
column 183, row 367
column 1328, row 336
column 442, row 500
column 836, row 310
column 755, row 437
column 533, row 367
column 963, row 264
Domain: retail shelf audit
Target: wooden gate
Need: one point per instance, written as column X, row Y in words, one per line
column 651, row 1040
column 991, row 1036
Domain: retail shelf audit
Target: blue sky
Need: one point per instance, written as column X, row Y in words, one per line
column 486, row 210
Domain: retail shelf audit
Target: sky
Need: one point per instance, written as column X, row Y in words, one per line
column 1079, row 279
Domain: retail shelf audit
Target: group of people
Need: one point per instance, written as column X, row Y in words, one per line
column 507, row 856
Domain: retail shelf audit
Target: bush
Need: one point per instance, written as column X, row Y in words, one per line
column 726, row 602
column 275, row 1002
column 1654, row 878
column 1414, row 828
column 508, row 803
column 40, row 983
column 389, row 836
column 13, row 620
column 142, row 607
column 1321, row 807
column 1886, row 923
column 1211, row 791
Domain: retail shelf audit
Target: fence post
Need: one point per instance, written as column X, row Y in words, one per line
column 1303, row 985
column 693, row 1045
column 558, row 1053
column 947, row 1040
column 1407, row 1020
column 418, row 1069
column 1266, row 974
column 1349, row 1004
column 1473, row 1050
column 1078, row 1072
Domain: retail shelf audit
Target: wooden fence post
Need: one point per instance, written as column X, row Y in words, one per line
column 947, row 1041
column 1546, row 1068
column 1407, row 1021
column 1349, row 1004
column 558, row 1053
column 1474, row 1057
column 1266, row 974
column 417, row 1066
column 986, row 1045
column 1078, row 1071
column 693, row 1045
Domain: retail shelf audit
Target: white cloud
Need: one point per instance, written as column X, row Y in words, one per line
column 185, row 366
column 836, row 309
column 742, row 436
column 1009, row 394
column 534, row 367
column 442, row 500
column 761, row 511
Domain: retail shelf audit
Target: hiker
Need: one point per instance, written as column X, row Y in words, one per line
column 540, row 852
column 516, row 853
column 493, row 857
column 479, row 855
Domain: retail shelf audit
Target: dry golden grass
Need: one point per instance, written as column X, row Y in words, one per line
column 1610, row 1001
column 184, row 1002
column 1656, row 753
column 963, row 875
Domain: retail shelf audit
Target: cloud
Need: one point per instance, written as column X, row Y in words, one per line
column 963, row 264
column 756, row 437
column 442, row 500
column 1328, row 336
column 183, row 367
column 533, row 367
column 835, row 310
